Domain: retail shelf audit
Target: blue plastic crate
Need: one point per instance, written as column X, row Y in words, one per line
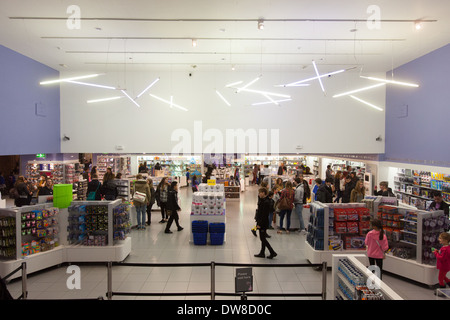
column 217, row 227
column 199, row 226
column 216, row 238
column 200, row 238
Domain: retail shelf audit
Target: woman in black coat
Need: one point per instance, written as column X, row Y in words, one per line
column 172, row 207
column 262, row 223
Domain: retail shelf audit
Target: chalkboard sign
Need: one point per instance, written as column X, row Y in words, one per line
column 244, row 280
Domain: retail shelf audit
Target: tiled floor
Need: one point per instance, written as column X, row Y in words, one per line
column 153, row 245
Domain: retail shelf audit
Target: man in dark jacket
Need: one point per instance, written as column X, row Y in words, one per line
column 262, row 223
column 325, row 192
column 439, row 203
column 384, row 191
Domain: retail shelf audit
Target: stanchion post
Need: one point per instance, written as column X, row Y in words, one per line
column 24, row 281
column 109, row 293
column 324, row 280
column 213, row 280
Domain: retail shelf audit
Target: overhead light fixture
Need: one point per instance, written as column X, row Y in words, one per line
column 318, row 76
column 223, row 98
column 131, row 99
column 297, row 83
column 358, row 90
column 268, row 102
column 104, row 99
column 366, row 103
column 260, row 24
column 69, row 79
column 150, row 85
column 194, row 42
column 266, row 93
column 92, row 85
column 233, row 84
column 249, row 84
column 392, row 82
column 417, row 25
column 168, row 102
column 233, row 67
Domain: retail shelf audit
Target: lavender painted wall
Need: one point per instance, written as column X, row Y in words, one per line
column 418, row 119
column 23, row 128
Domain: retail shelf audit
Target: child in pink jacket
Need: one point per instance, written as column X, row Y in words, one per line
column 376, row 244
column 443, row 259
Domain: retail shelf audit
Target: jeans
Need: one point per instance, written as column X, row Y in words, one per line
column 288, row 218
column 299, row 210
column 141, row 210
column 270, row 219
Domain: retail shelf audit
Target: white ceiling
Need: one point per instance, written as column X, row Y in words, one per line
column 119, row 35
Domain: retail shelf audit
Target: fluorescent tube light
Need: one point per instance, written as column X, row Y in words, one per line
column 92, row 85
column 132, row 100
column 267, row 102
column 168, row 102
column 358, row 90
column 366, row 103
column 223, row 98
column 150, row 85
column 392, row 82
column 69, row 79
column 318, row 76
column 249, row 84
column 104, row 99
column 233, row 84
column 296, row 84
column 266, row 92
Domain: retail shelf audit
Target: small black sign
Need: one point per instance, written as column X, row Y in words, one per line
column 244, row 280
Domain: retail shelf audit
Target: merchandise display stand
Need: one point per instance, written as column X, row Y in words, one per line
column 16, row 240
column 352, row 280
column 322, row 240
column 208, row 204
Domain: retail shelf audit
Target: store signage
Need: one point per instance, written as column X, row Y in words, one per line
column 41, row 155
column 211, row 182
column 244, row 280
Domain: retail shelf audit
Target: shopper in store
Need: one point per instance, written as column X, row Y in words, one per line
column 348, row 187
column 237, row 178
column 23, row 191
column 262, row 223
column 337, row 186
column 281, row 169
column 443, row 259
column 161, row 198
column 299, row 201
column 384, row 191
column 47, row 189
column 94, row 187
column 255, row 174
column 318, row 183
column 194, row 183
column 329, row 172
column 377, row 244
column 439, row 204
column 2, row 184
column 325, row 191
column 140, row 203
column 358, row 193
column 285, row 205
column 173, row 208
column 151, row 202
column 109, row 186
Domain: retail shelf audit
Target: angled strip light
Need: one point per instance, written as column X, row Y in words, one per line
column 358, row 90
column 132, row 100
column 104, row 99
column 223, row 98
column 91, row 84
column 392, row 82
column 69, row 79
column 145, row 90
column 366, row 103
column 168, row 102
column 233, row 84
column 297, row 83
column 267, row 102
column 266, row 93
column 318, row 76
column 248, row 84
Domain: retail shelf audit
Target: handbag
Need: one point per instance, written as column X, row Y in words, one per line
column 284, row 204
column 92, row 194
column 384, row 253
column 139, row 197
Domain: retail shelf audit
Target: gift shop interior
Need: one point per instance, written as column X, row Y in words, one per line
column 149, row 133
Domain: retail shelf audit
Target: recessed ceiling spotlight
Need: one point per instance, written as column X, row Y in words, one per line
column 353, row 30
column 194, row 42
column 222, row 30
column 233, row 67
column 260, row 24
column 63, row 65
column 98, row 28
